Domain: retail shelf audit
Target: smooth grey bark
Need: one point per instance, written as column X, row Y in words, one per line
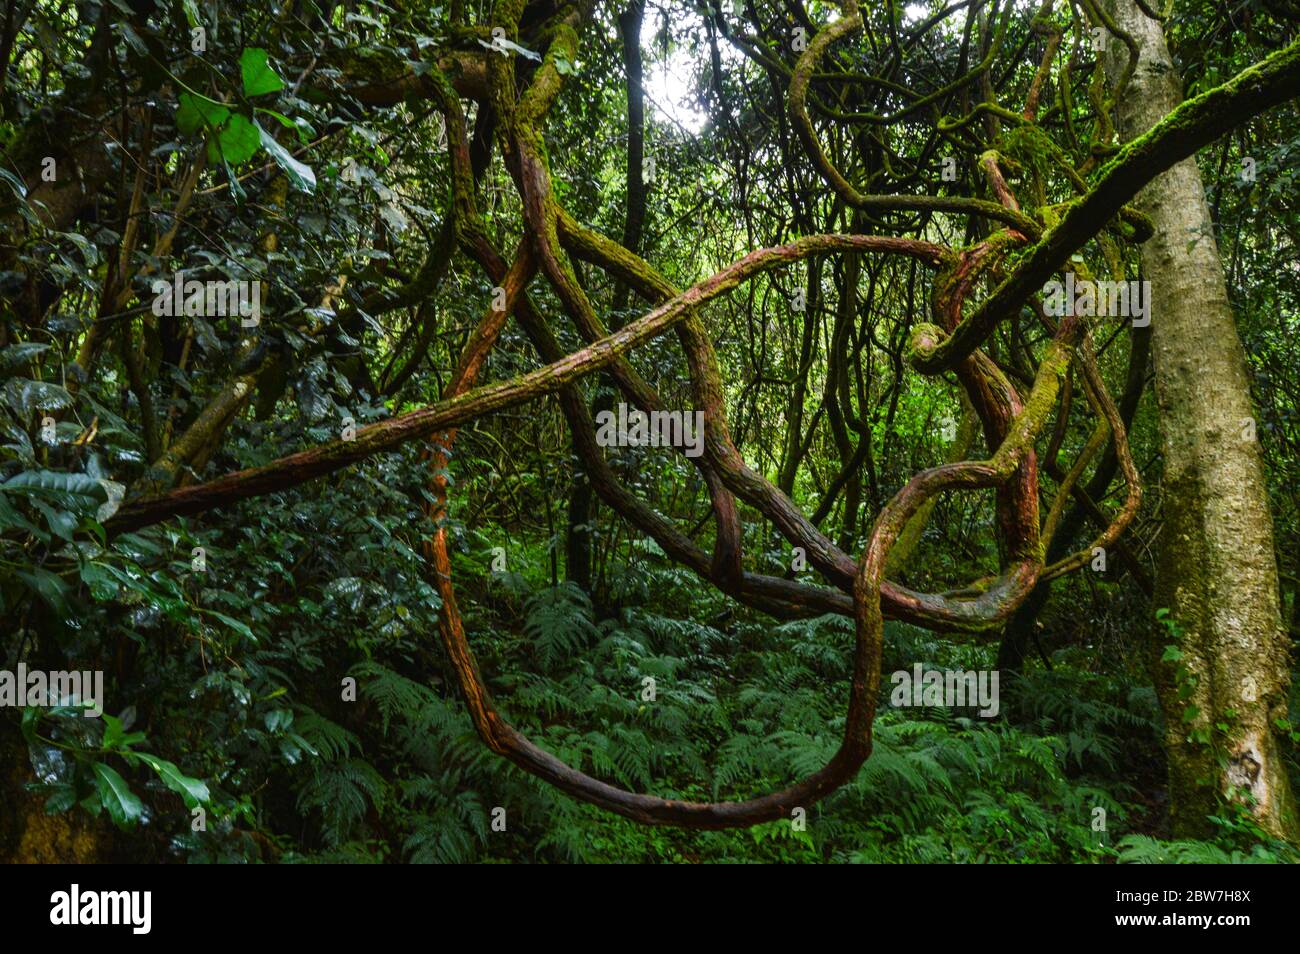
column 1216, row 570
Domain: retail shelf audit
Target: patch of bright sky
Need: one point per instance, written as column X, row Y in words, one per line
column 669, row 81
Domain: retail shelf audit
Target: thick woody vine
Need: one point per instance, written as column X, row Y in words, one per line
column 977, row 288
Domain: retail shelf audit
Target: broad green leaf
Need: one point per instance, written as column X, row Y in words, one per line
column 116, row 736
column 195, row 112
column 101, row 582
column 75, row 491
column 25, row 396
column 236, row 142
column 17, row 355
column 193, row 791
column 62, row 798
column 277, row 720
column 257, row 74
column 49, row 587
column 236, row 625
column 299, row 174
column 123, row 806
column 61, row 523
column 300, row 126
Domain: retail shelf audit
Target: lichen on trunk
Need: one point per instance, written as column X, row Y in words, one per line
column 1216, row 570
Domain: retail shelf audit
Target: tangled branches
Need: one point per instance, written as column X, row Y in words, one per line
column 1012, row 254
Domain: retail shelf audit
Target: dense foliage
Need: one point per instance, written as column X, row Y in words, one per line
column 276, row 685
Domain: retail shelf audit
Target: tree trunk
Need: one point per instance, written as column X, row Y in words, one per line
column 1216, row 570
column 27, row 834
